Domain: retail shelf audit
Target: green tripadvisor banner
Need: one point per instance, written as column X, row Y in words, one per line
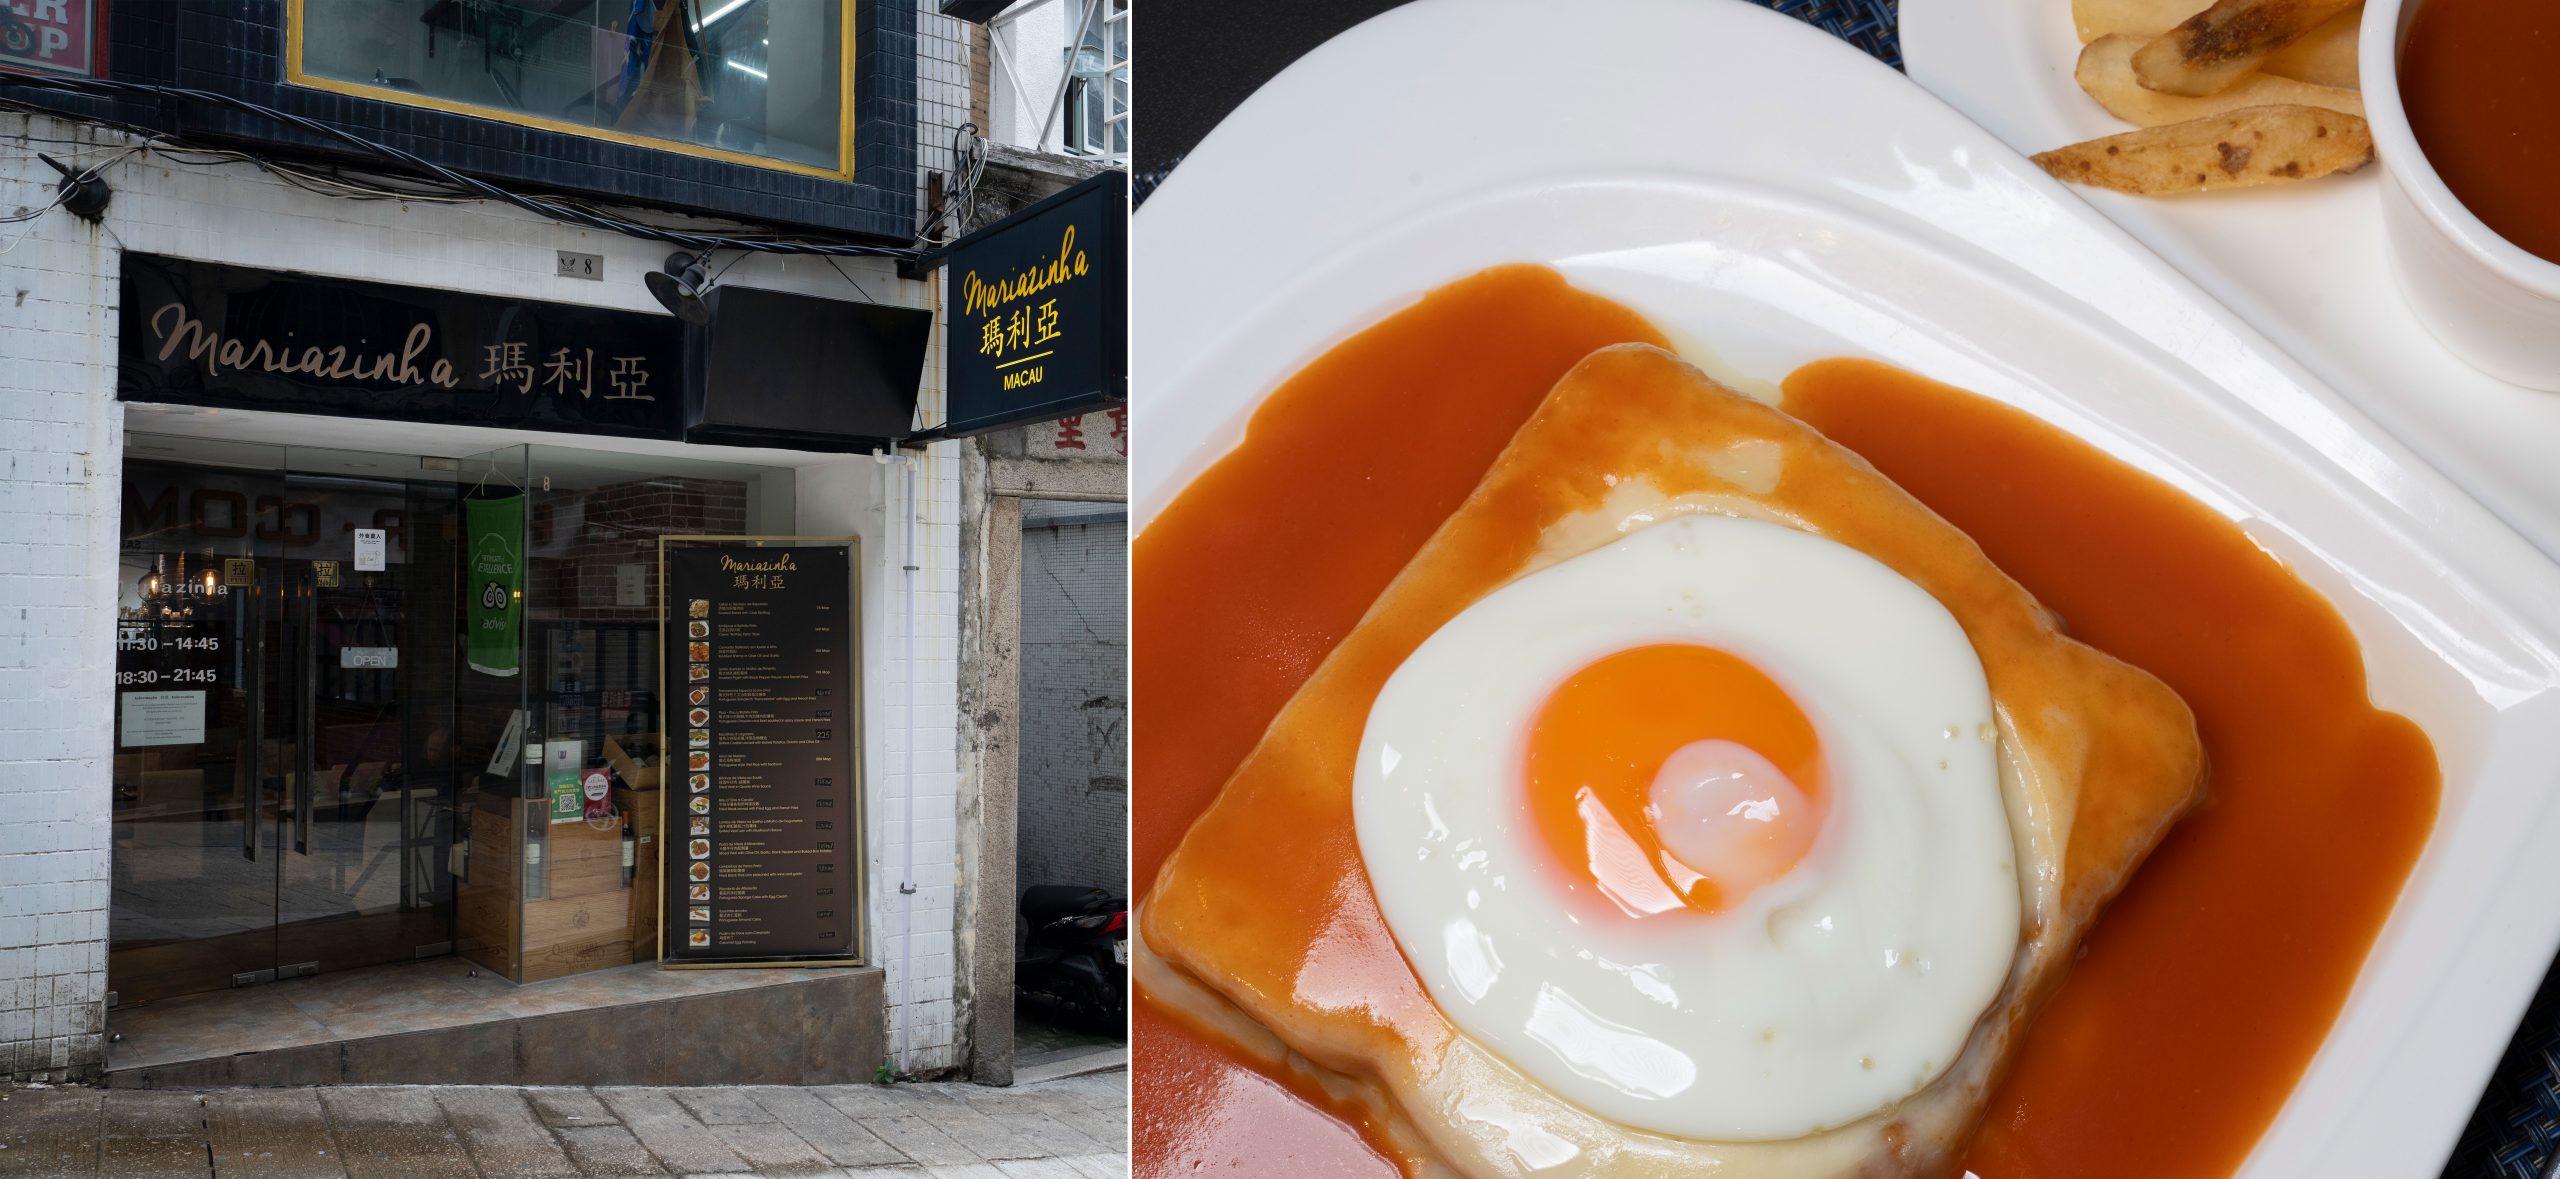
column 493, row 590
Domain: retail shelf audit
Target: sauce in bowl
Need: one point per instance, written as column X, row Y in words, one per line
column 2483, row 98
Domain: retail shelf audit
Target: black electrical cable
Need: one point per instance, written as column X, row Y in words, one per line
column 567, row 212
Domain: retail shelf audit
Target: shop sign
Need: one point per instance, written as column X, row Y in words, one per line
column 1036, row 308
column 764, row 860
column 1088, row 436
column 51, row 36
column 197, row 333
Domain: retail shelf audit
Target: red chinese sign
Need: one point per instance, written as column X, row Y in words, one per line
column 52, row 36
column 1078, row 432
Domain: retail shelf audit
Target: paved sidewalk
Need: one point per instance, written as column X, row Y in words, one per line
column 1047, row 1045
column 1075, row 1128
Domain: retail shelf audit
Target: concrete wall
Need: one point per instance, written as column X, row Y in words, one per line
column 60, row 462
column 1072, row 811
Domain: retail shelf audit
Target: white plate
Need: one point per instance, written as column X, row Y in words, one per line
column 2306, row 265
column 1769, row 195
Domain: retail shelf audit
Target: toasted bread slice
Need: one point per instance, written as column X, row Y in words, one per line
column 1265, row 913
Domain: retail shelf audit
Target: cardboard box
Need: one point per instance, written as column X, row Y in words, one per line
column 636, row 762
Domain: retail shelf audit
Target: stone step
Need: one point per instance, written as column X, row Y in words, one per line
column 800, row 1027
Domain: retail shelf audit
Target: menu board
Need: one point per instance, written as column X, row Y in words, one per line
column 763, row 826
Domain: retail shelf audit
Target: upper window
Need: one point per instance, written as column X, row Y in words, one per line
column 761, row 82
column 1097, row 99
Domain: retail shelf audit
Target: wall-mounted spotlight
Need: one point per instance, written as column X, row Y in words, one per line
column 82, row 194
column 680, row 285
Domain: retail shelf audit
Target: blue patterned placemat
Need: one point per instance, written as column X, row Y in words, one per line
column 2515, row 1130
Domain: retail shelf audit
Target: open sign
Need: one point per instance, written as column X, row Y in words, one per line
column 53, row 36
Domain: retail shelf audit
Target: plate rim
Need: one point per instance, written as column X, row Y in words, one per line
column 2488, row 555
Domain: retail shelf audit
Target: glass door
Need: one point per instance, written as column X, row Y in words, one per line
column 364, row 579
column 192, row 864
column 284, row 779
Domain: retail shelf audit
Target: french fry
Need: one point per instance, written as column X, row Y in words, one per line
column 2131, row 18
column 2241, row 148
column 2324, row 56
column 2106, row 73
column 2213, row 50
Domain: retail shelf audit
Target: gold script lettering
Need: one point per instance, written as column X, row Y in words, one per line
column 783, row 564
column 181, row 332
column 980, row 296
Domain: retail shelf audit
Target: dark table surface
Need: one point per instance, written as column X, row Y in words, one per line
column 1206, row 56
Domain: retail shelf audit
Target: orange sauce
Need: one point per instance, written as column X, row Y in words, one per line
column 2206, row 987
column 2476, row 77
column 2212, row 979
column 1199, row 1110
column 1237, row 595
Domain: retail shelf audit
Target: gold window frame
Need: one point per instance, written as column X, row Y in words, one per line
column 844, row 109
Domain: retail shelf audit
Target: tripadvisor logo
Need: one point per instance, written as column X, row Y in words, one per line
column 493, row 596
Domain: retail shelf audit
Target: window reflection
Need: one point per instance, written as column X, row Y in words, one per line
column 757, row 77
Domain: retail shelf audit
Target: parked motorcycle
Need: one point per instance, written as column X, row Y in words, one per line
column 1077, row 954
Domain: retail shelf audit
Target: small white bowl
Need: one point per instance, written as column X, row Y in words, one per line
column 2492, row 303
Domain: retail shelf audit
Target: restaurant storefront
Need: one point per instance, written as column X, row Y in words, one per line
column 360, row 365
column 336, row 748
column 347, row 675
column 394, row 677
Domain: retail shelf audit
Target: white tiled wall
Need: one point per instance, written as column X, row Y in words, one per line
column 942, row 91
column 922, row 1033
column 60, row 455
column 60, row 441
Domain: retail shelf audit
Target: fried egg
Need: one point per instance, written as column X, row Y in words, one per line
column 1702, row 830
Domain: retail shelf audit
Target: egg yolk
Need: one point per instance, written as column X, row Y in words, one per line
column 1674, row 776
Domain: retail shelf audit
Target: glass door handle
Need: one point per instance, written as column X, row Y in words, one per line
column 253, row 790
column 306, row 702
column 253, row 754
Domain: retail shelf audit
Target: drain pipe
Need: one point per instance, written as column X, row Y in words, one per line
column 901, row 489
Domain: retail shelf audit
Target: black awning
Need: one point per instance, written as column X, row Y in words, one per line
column 804, row 373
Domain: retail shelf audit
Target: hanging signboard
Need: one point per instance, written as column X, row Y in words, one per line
column 198, row 333
column 1036, row 312
column 494, row 583
column 764, row 837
